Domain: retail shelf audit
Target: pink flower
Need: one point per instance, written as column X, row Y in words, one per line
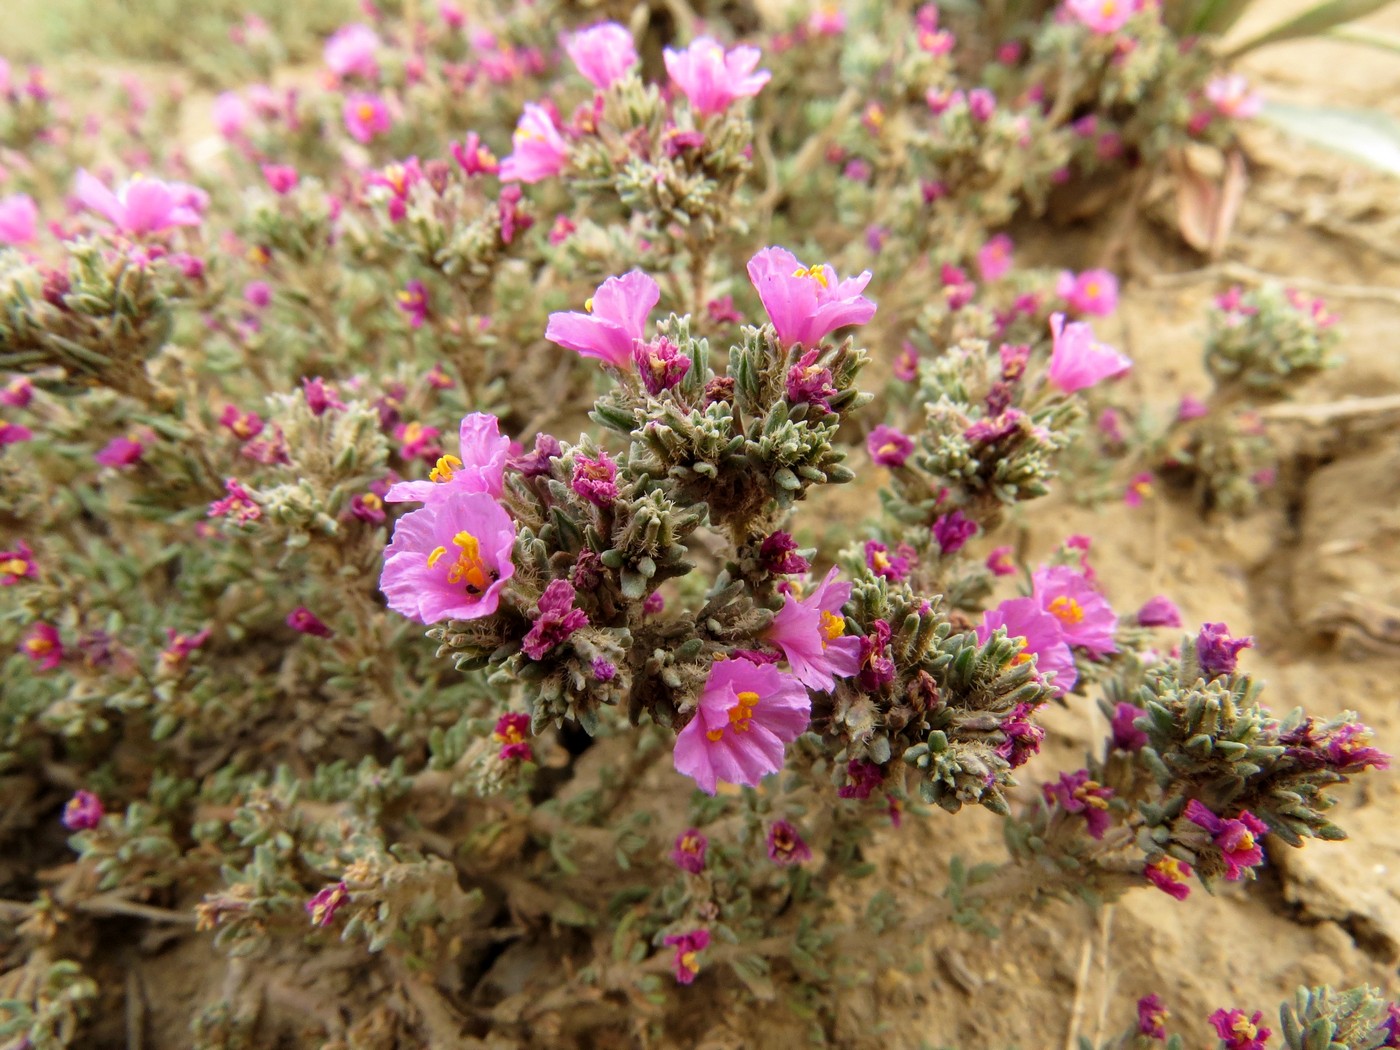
column 449, row 560
column 1216, row 652
column 120, row 452
column 893, row 567
column 660, row 363
column 1237, row 838
column 510, row 734
column 806, row 303
column 231, row 115
column 1091, row 292
column 1139, row 489
column 19, row 219
column 238, row 504
column 43, row 647
column 746, row 714
column 1000, row 562
column 320, row 396
column 1077, row 360
column 305, row 621
column 1039, row 635
column 473, row 157
column 281, row 178
column 413, row 301
column 481, row 466
column 17, row 393
column 14, row 433
column 1076, row 793
column 778, row 555
column 1169, row 875
column 350, row 51
column 557, row 619
column 143, row 205
column 952, row 531
column 827, row 20
column 323, row 906
column 1159, row 611
column 994, row 258
column 888, row 447
column 688, row 946
column 689, row 851
column 604, row 53
column 17, row 565
column 538, row 150
column 812, row 635
column 83, row 812
column 595, row 479
column 1231, row 97
column 1239, row 1031
column 711, row 78
column 1126, row 735
column 614, row 323
column 366, row 116
column 1152, row 1017
column 785, row 845
column 1101, row 16
column 1085, row 617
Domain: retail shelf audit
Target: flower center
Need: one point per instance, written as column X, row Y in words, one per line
column 816, row 273
column 365, row 112
column 1025, row 655
column 1085, row 794
column 1246, row 841
column 1244, row 1029
column 14, row 566
column 833, row 627
column 38, row 646
column 879, row 561
column 1171, row 868
column 468, row 567
column 412, row 433
column 1067, row 610
column 444, row 468
column 689, row 962
column 740, row 716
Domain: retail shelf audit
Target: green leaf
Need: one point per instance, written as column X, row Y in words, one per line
column 1314, row 21
column 1367, row 135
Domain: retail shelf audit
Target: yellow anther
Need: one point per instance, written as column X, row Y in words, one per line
column 816, row 273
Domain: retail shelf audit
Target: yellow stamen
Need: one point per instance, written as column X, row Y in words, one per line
column 365, row 112
column 1244, row 1029
column 689, row 962
column 879, row 561
column 373, row 502
column 468, row 567
column 1246, row 840
column 1025, row 655
column 741, row 714
column 817, row 273
column 1171, row 868
column 445, row 467
column 1083, row 793
column 14, row 566
column 833, row 627
column 437, row 553
column 588, row 304
column 1067, row 610
column 714, row 735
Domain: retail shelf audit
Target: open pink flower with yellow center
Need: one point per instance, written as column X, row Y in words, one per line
column 1240, row 1031
column 449, row 560
column 1040, row 639
column 994, row 257
column 538, row 150
column 812, row 635
column 711, row 78
column 1170, row 875
column 17, row 565
column 604, row 53
column 142, row 205
column 480, row 467
column 366, row 116
column 614, row 323
column 1076, row 793
column 1078, row 360
column 1091, row 292
column 1139, row 489
column 43, row 647
column 1084, row 615
column 1237, row 838
column 688, row 948
column 747, row 714
column 1101, row 16
column 807, row 303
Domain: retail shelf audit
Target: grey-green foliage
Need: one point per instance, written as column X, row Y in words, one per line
column 1321, row 1019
